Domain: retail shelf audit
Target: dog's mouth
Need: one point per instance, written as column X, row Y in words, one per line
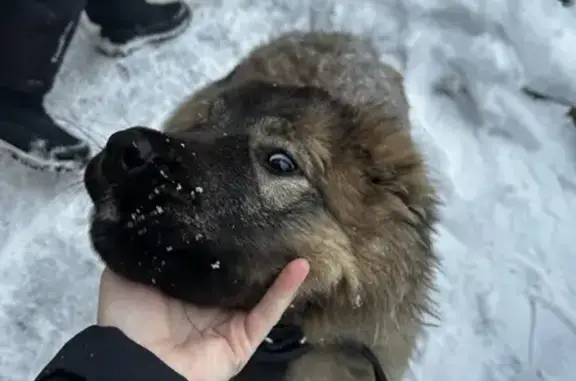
column 163, row 218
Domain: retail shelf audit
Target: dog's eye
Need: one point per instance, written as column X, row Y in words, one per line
column 281, row 163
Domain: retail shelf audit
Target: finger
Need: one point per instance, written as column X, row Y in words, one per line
column 276, row 300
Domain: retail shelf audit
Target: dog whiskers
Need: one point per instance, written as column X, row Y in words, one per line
column 86, row 132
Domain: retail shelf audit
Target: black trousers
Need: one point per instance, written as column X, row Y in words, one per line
column 35, row 34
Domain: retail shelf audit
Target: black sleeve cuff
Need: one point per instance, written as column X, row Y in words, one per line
column 106, row 354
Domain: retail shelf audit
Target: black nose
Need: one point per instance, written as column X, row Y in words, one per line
column 132, row 149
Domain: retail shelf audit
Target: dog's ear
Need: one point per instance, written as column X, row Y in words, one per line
column 384, row 148
column 395, row 172
column 378, row 167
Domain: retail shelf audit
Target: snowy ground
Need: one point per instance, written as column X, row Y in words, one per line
column 506, row 162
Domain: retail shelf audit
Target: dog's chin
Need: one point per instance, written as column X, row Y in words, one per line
column 191, row 273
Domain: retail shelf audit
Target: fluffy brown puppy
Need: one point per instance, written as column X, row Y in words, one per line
column 303, row 150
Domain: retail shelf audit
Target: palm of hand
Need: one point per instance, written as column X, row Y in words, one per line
column 208, row 343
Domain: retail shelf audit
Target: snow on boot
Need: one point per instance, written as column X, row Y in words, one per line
column 34, row 37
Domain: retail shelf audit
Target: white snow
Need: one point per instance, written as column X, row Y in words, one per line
column 506, row 165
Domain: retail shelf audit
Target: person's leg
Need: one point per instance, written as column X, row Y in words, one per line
column 34, row 36
column 129, row 24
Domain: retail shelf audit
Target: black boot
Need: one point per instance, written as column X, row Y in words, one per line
column 129, row 24
column 34, row 36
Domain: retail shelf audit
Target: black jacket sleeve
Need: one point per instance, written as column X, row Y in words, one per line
column 106, row 354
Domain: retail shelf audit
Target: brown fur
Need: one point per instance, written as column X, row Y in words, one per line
column 373, row 261
column 360, row 207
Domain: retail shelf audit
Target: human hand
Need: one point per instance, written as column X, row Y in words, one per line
column 199, row 343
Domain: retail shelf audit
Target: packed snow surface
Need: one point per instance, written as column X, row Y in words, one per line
column 505, row 162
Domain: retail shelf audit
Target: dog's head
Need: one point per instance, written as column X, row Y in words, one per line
column 213, row 208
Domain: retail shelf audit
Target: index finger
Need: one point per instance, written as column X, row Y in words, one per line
column 277, row 299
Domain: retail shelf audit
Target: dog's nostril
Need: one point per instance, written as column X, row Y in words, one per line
column 131, row 149
column 136, row 155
